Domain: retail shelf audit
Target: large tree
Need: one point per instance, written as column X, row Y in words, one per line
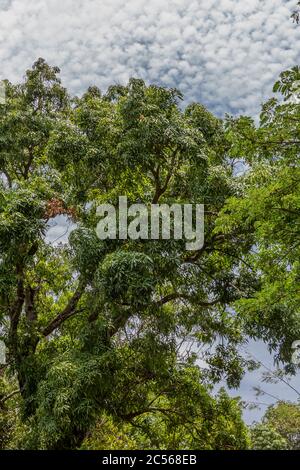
column 102, row 328
column 96, row 326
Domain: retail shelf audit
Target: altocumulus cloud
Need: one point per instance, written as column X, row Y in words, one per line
column 224, row 53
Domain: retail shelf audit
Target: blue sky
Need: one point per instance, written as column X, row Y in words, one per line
column 224, row 53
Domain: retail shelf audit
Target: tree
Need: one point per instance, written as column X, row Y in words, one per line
column 279, row 428
column 265, row 437
column 96, row 327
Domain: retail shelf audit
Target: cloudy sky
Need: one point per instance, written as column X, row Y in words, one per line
column 224, row 53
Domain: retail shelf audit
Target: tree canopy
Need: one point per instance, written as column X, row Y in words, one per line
column 105, row 336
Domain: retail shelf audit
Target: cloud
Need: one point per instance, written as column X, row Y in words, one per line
column 224, row 53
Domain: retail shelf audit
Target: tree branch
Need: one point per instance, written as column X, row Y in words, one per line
column 68, row 312
column 177, row 295
column 160, row 190
column 10, row 395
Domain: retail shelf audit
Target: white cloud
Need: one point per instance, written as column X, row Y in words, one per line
column 224, row 53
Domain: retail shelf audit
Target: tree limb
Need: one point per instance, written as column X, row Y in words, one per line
column 177, row 295
column 68, row 312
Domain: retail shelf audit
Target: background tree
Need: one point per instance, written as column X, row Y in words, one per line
column 285, row 418
column 265, row 437
column 280, row 428
column 269, row 210
column 296, row 14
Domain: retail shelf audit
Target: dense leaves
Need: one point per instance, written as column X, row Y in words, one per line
column 108, row 334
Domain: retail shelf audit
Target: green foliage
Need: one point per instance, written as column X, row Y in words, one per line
column 96, row 330
column 212, row 424
column 265, row 437
column 285, row 418
column 127, row 277
column 279, row 428
column 269, row 212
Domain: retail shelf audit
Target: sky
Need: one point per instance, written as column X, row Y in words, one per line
column 226, row 54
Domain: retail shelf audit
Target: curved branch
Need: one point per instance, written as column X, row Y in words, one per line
column 161, row 189
column 177, row 295
column 68, row 312
column 10, row 395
